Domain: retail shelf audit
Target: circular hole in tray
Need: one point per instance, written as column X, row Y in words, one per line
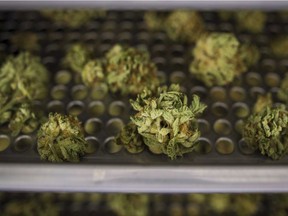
column 177, row 50
column 256, row 91
column 158, row 50
column 237, row 94
column 177, row 77
column 204, row 146
column 4, row 142
column 99, row 92
column 160, row 62
column 75, row 108
column 272, row 79
column 178, row 64
column 79, row 92
column 200, row 91
column 114, row 126
column 116, row 108
column 93, row 145
column 253, row 79
column 58, row 92
column 283, row 65
column 56, row 106
column 239, row 126
column 63, row 77
column 110, row 146
column 227, row 27
column 224, row 145
column 203, row 126
column 268, row 65
column 162, row 77
column 241, row 110
column 96, row 108
column 217, row 93
column 244, row 148
column 219, row 109
column 93, row 126
column 143, row 37
column 23, row 143
column 222, row 126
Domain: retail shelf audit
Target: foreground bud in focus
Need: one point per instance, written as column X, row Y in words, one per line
column 166, row 122
column 61, row 139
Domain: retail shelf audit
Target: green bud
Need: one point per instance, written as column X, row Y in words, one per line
column 93, row 73
column 249, row 54
column 77, row 56
column 129, row 204
column 72, row 18
column 283, row 91
column 129, row 70
column 245, row 204
column 219, row 203
column 155, row 20
column 217, row 59
column 130, row 139
column 262, row 102
column 225, row 15
column 166, row 122
column 279, row 46
column 185, row 26
column 30, row 207
column 267, row 131
column 24, row 118
column 252, row 21
column 61, row 139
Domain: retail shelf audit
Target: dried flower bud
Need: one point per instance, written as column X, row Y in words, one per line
column 217, row 59
column 24, row 118
column 61, row 139
column 129, row 70
column 129, row 204
column 25, row 41
column 93, row 73
column 267, row 131
column 283, row 91
column 72, row 18
column 249, row 54
column 77, row 56
column 225, row 15
column 262, row 102
column 155, row 20
column 185, row 26
column 30, row 207
column 166, row 122
column 252, row 21
column 130, row 138
column 279, row 46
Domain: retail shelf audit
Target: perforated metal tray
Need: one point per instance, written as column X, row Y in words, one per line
column 104, row 114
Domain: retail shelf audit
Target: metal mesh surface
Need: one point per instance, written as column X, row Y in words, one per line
column 103, row 114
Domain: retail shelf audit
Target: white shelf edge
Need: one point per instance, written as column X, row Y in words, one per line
column 141, row 179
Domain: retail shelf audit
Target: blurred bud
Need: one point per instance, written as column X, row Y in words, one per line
column 279, row 46
column 283, row 91
column 262, row 102
column 251, row 21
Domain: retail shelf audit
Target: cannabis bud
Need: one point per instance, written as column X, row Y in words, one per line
column 279, row 46
column 129, row 204
column 72, row 18
column 31, row 207
column 185, row 26
column 93, row 73
column 77, row 56
column 155, row 20
column 267, row 131
column 252, row 21
column 130, row 138
column 283, row 91
column 219, row 58
column 61, row 139
column 129, row 70
column 262, row 102
column 22, row 79
column 166, row 122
